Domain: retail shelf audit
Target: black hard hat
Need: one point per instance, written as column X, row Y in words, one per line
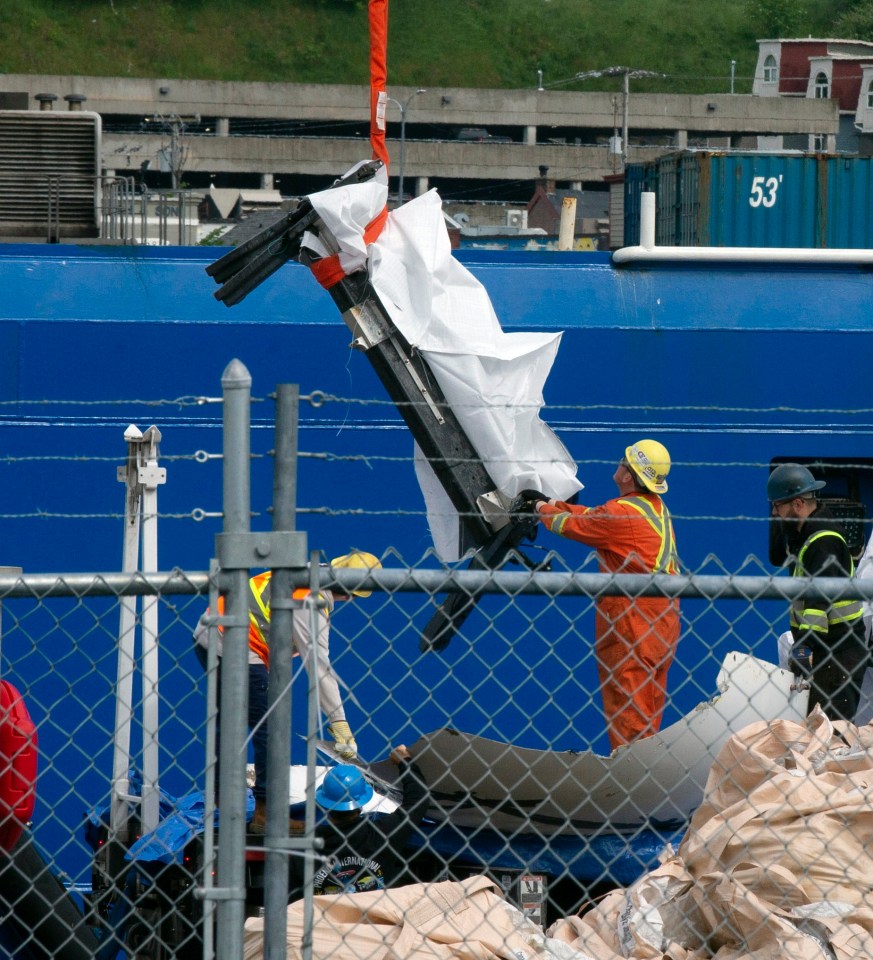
column 790, row 480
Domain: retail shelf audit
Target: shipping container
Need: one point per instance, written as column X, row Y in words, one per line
column 754, row 200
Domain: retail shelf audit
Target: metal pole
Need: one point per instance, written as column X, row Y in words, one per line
column 208, row 879
column 624, row 119
column 175, row 162
column 733, row 72
column 118, row 811
column 402, row 149
column 311, row 610
column 150, row 476
column 403, row 107
column 279, row 689
column 236, row 384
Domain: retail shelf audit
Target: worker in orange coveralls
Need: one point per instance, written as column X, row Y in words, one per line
column 636, row 638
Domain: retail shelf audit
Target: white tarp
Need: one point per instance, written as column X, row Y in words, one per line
column 492, row 380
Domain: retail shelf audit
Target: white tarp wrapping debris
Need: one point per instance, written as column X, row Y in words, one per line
column 658, row 779
column 492, row 380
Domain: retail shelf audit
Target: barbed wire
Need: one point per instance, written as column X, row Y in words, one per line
column 318, row 398
column 369, row 459
column 186, row 401
column 198, row 514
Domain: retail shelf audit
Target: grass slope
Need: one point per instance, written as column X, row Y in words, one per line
column 485, row 43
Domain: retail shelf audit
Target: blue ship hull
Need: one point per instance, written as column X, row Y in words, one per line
column 730, row 366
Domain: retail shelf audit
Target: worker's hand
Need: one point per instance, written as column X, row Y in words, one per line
column 531, row 499
column 400, row 754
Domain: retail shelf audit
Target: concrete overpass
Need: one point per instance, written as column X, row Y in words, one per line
column 198, row 119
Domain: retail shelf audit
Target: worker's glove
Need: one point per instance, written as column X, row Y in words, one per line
column 345, row 741
column 528, row 500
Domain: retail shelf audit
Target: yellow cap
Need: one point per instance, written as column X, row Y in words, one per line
column 360, row 560
column 650, row 462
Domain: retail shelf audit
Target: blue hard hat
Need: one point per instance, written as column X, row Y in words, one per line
column 790, row 480
column 343, row 788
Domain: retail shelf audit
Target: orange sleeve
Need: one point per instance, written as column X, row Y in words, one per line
column 606, row 527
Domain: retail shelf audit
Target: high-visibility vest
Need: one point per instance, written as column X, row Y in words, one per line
column 665, row 560
column 803, row 617
column 259, row 612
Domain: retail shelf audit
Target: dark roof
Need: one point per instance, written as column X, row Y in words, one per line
column 251, row 225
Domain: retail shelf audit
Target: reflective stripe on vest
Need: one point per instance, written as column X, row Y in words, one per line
column 665, row 561
column 259, row 615
column 820, row 620
column 259, row 612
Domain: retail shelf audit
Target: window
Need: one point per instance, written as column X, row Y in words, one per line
column 819, row 142
column 870, row 95
column 770, row 71
column 822, row 87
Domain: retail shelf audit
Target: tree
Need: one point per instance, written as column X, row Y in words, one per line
column 857, row 23
column 778, row 18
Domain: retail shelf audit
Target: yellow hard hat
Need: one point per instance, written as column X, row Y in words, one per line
column 650, row 462
column 359, row 560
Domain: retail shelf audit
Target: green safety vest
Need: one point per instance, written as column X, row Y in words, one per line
column 803, row 617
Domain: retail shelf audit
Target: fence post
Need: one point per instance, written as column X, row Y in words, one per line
column 236, row 385
column 279, row 690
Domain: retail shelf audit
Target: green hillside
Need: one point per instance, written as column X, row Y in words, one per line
column 486, row 43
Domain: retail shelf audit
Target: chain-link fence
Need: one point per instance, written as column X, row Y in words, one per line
column 528, row 818
column 501, row 725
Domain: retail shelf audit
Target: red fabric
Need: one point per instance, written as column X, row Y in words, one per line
column 18, row 765
column 329, row 271
column 378, row 11
column 635, row 639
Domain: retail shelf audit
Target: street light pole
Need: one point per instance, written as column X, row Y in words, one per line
column 403, row 108
column 625, row 98
column 626, row 73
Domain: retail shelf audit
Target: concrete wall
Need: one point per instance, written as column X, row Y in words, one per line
column 465, row 106
column 535, row 115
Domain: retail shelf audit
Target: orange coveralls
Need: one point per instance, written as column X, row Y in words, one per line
column 636, row 638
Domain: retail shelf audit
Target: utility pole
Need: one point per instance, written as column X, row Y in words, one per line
column 403, row 108
column 626, row 73
column 625, row 99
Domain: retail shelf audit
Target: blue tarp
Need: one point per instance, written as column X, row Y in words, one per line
column 606, row 857
column 181, row 820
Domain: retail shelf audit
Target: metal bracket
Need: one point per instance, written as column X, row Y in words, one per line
column 495, row 508
column 285, row 550
column 286, row 844
column 151, row 475
column 219, row 893
column 368, row 325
